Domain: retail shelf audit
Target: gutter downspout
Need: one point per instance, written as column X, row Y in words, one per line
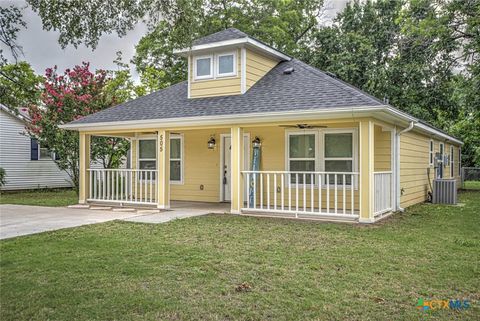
column 397, row 164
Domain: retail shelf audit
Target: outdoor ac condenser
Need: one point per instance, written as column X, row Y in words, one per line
column 444, row 191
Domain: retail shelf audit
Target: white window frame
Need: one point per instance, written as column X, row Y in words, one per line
column 181, row 159
column 174, row 136
column 320, row 151
column 452, row 163
column 354, row 157
column 289, row 133
column 441, row 167
column 431, row 153
column 209, row 76
column 459, row 161
column 50, row 157
column 217, row 64
column 441, row 151
column 146, row 159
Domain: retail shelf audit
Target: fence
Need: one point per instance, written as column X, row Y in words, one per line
column 470, row 174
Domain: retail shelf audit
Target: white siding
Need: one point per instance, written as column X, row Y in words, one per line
column 23, row 173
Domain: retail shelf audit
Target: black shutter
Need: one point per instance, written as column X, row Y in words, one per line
column 56, row 157
column 33, row 149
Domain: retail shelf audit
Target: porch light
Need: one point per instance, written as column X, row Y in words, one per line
column 256, row 142
column 211, row 143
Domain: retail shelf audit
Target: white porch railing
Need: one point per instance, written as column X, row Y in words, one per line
column 332, row 194
column 123, row 186
column 383, row 192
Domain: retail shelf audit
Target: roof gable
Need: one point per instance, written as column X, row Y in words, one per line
column 224, row 35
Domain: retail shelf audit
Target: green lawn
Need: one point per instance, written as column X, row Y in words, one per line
column 46, row 197
column 475, row 185
column 293, row 270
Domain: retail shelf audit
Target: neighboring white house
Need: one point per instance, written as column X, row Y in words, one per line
column 26, row 163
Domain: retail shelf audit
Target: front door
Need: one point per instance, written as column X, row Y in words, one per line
column 227, row 157
column 226, row 165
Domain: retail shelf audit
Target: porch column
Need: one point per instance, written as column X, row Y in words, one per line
column 163, row 169
column 366, row 171
column 237, row 159
column 84, row 165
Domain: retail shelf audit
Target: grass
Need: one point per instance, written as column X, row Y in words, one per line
column 43, row 197
column 472, row 185
column 290, row 270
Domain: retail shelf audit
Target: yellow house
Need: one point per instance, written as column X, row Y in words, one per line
column 268, row 134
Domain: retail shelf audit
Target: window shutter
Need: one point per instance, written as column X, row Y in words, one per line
column 56, row 157
column 33, row 149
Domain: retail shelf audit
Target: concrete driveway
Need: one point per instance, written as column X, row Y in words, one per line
column 16, row 220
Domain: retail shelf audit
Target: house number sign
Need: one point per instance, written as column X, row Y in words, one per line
column 161, row 144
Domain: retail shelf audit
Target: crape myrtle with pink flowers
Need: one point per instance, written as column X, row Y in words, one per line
column 70, row 96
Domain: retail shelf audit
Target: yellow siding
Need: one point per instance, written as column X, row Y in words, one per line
column 273, row 159
column 382, row 150
column 414, row 155
column 258, row 66
column 201, row 167
column 216, row 87
column 415, row 168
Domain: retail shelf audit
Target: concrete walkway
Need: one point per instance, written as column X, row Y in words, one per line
column 181, row 210
column 17, row 220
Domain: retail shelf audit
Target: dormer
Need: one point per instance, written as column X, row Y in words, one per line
column 227, row 63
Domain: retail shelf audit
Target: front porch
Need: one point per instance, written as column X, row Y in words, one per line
column 184, row 164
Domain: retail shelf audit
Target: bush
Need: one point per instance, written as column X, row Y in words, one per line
column 2, row 177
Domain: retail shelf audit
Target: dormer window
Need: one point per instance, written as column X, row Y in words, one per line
column 204, row 67
column 226, row 64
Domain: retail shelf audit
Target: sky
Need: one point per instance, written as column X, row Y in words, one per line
column 41, row 49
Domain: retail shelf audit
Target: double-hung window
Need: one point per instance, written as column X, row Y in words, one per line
column 452, row 162
column 302, row 155
column 37, row 152
column 203, row 67
column 338, row 155
column 329, row 150
column 441, row 162
column 459, row 161
column 431, row 154
column 176, row 159
column 147, row 157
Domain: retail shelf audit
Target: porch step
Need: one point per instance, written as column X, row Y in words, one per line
column 148, row 211
column 83, row 206
column 123, row 209
column 102, row 208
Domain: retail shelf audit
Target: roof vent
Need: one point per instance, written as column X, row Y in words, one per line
column 288, row 71
column 331, row 74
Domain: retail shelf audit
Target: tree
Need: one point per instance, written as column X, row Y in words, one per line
column 175, row 23
column 19, row 85
column 68, row 97
column 86, row 21
column 10, row 24
column 420, row 55
column 17, row 81
column 286, row 25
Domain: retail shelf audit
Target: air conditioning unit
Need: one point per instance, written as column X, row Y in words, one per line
column 444, row 191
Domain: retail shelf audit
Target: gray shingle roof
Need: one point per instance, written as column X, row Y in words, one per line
column 307, row 88
column 227, row 34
